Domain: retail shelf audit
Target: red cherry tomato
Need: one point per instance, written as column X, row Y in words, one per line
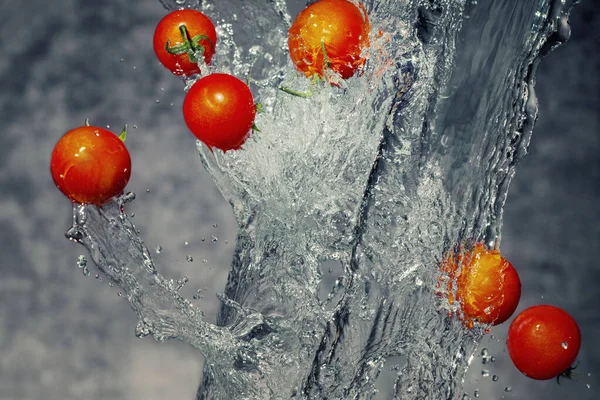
column 182, row 36
column 90, row 165
column 543, row 342
column 329, row 34
column 219, row 110
column 486, row 285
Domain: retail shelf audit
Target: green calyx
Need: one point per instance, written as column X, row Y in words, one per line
column 190, row 46
column 123, row 133
column 568, row 374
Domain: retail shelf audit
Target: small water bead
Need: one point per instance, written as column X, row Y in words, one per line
column 565, row 345
column 189, row 258
column 485, row 372
column 476, row 393
column 120, row 294
column 157, row 101
column 158, row 249
column 181, row 282
column 205, row 261
column 203, row 239
column 495, row 378
column 81, row 261
column 185, row 243
column 110, row 284
column 214, row 239
column 215, row 225
column 466, row 397
column 147, row 190
column 508, row 389
column 85, row 271
column 132, row 215
column 587, row 385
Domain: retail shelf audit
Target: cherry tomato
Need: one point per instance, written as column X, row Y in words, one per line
column 219, row 110
column 90, row 165
column 180, row 37
column 543, row 341
column 329, row 34
column 486, row 285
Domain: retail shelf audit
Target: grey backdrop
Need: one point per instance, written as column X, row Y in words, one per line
column 64, row 336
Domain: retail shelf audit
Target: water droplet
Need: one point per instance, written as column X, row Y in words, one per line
column 157, row 101
column 495, row 378
column 120, row 294
column 215, row 225
column 158, row 249
column 86, row 271
column 485, row 372
column 181, row 282
column 466, row 397
column 565, row 345
column 214, row 239
column 476, row 393
column 122, row 60
column 587, row 385
column 205, row 261
column 484, row 352
column 185, row 243
column 81, row 261
column 110, row 284
column 147, row 190
column 508, row 389
column 107, row 126
column 189, row 258
column 203, row 239
column 132, row 215
column 418, row 281
column 134, row 126
column 493, row 358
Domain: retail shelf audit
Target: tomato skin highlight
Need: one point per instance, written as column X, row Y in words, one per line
column 488, row 287
column 339, row 26
column 219, row 110
column 90, row 165
column 543, row 341
column 167, row 30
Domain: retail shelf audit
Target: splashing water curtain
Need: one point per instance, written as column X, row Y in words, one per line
column 380, row 176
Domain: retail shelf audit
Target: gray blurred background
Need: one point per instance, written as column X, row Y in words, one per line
column 65, row 336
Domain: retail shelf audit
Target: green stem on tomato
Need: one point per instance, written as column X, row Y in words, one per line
column 189, row 45
column 123, row 133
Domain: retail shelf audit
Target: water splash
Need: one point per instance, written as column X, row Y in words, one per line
column 380, row 176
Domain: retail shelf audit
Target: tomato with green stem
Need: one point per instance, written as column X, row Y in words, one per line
column 543, row 342
column 485, row 285
column 181, row 38
column 219, row 110
column 90, row 165
column 329, row 35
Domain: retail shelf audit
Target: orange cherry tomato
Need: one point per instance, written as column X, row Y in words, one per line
column 543, row 342
column 486, row 285
column 219, row 110
column 181, row 37
column 90, row 165
column 329, row 34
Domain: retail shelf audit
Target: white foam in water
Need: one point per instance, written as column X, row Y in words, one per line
column 377, row 178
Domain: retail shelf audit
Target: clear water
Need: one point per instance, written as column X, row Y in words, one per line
column 347, row 201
